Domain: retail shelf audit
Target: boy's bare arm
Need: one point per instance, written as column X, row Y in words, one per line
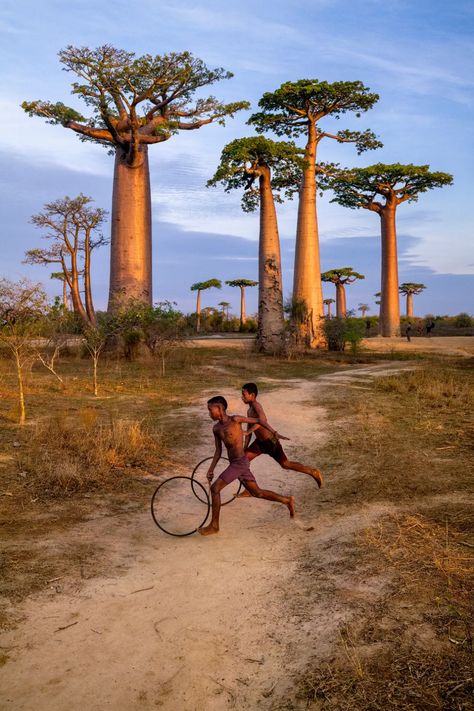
column 215, row 459
column 257, row 421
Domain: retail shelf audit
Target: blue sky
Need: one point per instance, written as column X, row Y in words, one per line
column 416, row 55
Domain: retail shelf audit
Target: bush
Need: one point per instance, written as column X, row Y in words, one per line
column 339, row 331
column 463, row 320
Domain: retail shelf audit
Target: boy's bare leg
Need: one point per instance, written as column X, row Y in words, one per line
column 297, row 467
column 254, row 490
column 213, row 527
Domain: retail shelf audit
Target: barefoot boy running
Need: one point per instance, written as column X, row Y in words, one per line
column 228, row 429
column 265, row 442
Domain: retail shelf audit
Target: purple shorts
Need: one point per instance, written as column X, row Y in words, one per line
column 237, row 469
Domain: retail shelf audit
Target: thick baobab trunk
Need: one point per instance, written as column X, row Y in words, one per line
column 329, row 311
column 243, row 316
column 390, row 298
column 130, row 248
column 409, row 305
column 198, row 311
column 340, row 301
column 307, row 275
column 270, row 295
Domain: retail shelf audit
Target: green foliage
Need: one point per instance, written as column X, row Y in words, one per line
column 244, row 160
column 23, row 305
column 209, row 284
column 288, row 110
column 411, row 288
column 241, row 282
column 296, row 309
column 340, row 331
column 344, row 275
column 135, row 99
column 463, row 320
column 394, row 183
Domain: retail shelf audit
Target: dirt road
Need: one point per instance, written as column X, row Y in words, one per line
column 201, row 624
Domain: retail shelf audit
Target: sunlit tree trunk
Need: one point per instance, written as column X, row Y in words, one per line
column 270, row 296
column 87, row 281
column 65, row 300
column 21, row 394
column 390, row 299
column 243, row 316
column 340, row 301
column 307, row 275
column 409, row 305
column 130, row 250
column 198, row 311
column 77, row 304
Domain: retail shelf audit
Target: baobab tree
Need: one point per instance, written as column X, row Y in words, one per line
column 203, row 286
column 225, row 305
column 267, row 172
column 60, row 277
column 410, row 288
column 363, row 308
column 341, row 277
column 72, row 228
column 328, row 303
column 293, row 110
column 242, row 284
column 382, row 188
column 134, row 102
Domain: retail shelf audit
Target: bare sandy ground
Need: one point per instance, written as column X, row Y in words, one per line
column 201, row 624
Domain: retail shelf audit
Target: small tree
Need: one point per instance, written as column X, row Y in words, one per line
column 203, row 286
column 95, row 340
column 163, row 331
column 363, row 308
column 328, row 302
column 55, row 330
column 242, row 284
column 382, row 188
column 341, row 277
column 22, row 307
column 73, row 230
column 410, row 288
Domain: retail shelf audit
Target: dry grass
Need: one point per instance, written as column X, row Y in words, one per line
column 66, row 456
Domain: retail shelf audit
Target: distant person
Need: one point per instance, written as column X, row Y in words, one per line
column 265, row 442
column 429, row 327
column 367, row 326
column 408, row 332
column 228, row 429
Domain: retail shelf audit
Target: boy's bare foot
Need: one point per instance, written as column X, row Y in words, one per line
column 208, row 530
column 318, row 477
column 291, row 506
column 244, row 494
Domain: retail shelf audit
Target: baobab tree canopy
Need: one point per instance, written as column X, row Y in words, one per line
column 243, row 160
column 344, row 275
column 396, row 183
column 242, row 283
column 209, row 284
column 286, row 111
column 411, row 288
column 135, row 100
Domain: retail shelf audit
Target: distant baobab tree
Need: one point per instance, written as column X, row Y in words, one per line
column 328, row 303
column 363, row 308
column 382, row 188
column 60, row 277
column 409, row 289
column 134, row 102
column 242, row 284
column 72, row 228
column 377, row 295
column 297, row 109
column 203, row 286
column 267, row 172
column 341, row 277
column 225, row 305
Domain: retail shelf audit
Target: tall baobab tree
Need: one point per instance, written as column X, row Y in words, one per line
column 382, row 188
column 293, row 110
column 200, row 286
column 134, row 102
column 363, row 308
column 72, row 228
column 340, row 278
column 328, row 303
column 267, row 172
column 409, row 289
column 242, row 284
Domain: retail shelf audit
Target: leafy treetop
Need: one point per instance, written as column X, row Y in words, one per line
column 290, row 109
column 242, row 283
column 244, row 160
column 394, row 183
column 135, row 100
column 209, row 284
column 411, row 288
column 344, row 275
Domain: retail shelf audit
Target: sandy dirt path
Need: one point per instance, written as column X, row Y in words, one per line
column 200, row 624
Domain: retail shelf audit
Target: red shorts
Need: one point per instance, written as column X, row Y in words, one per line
column 271, row 447
column 237, row 469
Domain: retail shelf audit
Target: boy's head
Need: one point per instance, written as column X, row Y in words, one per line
column 249, row 392
column 217, row 405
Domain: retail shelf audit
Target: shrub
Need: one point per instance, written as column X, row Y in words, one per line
column 463, row 320
column 339, row 331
